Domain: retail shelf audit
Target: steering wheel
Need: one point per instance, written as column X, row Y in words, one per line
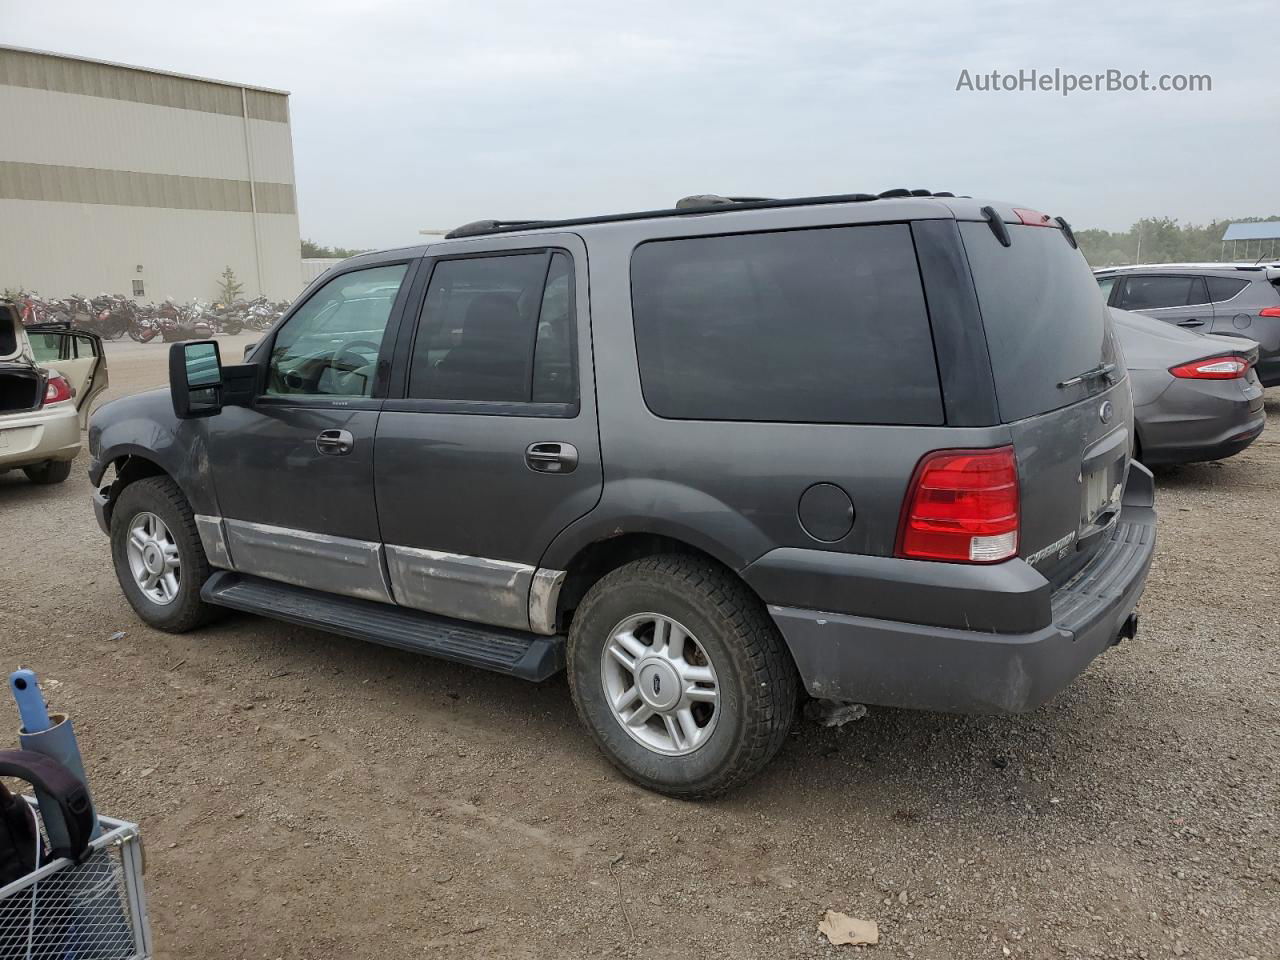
column 346, row 352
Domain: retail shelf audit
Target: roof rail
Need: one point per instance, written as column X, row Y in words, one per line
column 686, row 206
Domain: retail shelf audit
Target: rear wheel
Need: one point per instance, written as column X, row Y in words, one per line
column 51, row 471
column 159, row 560
column 680, row 675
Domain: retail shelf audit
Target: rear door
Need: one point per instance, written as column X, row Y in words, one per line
column 78, row 357
column 488, row 446
column 1061, row 387
column 1174, row 298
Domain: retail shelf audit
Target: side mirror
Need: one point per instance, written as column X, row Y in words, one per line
column 195, row 379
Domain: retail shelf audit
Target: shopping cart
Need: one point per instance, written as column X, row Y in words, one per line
column 92, row 910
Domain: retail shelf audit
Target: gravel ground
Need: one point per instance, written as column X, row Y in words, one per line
column 306, row 796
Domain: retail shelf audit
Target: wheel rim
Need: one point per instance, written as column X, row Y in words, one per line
column 660, row 684
column 153, row 558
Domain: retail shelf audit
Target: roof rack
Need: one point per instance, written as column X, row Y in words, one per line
column 686, row 206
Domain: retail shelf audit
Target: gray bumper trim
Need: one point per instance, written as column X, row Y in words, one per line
column 843, row 657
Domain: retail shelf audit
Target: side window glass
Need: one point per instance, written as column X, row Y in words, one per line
column 1152, row 293
column 45, row 347
column 553, row 367
column 1105, row 286
column 330, row 346
column 1224, row 288
column 484, row 320
column 1199, row 294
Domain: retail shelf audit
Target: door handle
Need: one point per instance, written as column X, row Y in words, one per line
column 335, row 443
column 551, row 457
column 1191, row 322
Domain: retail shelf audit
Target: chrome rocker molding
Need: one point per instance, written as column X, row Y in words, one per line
column 214, row 541
column 466, row 588
column 352, row 568
column 479, row 589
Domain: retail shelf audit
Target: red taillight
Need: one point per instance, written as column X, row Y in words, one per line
column 1269, row 312
column 56, row 391
column 962, row 507
column 1034, row 218
column 1212, row 368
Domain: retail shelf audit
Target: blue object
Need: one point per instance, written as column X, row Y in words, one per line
column 44, row 733
column 31, row 707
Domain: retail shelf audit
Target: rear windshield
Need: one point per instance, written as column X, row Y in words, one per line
column 1045, row 319
column 804, row 326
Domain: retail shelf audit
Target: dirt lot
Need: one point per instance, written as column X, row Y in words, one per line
column 306, row 796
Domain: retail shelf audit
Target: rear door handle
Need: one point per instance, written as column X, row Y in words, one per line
column 335, row 443
column 551, row 457
column 1191, row 322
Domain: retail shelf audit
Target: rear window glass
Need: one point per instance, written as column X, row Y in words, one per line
column 1224, row 288
column 806, row 326
column 1044, row 320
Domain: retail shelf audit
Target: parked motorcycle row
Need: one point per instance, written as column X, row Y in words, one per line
column 115, row 316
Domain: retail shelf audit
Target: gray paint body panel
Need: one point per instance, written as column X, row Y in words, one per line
column 1182, row 420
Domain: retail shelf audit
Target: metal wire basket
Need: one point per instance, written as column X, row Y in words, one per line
column 95, row 910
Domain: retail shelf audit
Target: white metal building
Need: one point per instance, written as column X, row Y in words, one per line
column 118, row 179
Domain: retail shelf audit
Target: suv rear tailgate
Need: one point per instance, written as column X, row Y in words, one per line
column 1061, row 387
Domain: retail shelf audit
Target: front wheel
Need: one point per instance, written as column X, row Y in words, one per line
column 159, row 560
column 680, row 675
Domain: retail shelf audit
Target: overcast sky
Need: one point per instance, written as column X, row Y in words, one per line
column 419, row 113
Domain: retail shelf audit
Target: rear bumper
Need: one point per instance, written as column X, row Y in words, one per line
column 1196, row 421
column 49, row 434
column 1219, row 448
column 904, row 664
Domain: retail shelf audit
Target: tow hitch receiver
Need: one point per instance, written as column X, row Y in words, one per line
column 1128, row 629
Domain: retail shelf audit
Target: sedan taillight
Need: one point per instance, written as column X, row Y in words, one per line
column 57, row 390
column 1212, row 368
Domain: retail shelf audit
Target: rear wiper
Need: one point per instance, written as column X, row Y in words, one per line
column 1101, row 370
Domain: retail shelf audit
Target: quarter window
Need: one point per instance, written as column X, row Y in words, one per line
column 805, row 326
column 330, row 346
column 497, row 329
column 1224, row 288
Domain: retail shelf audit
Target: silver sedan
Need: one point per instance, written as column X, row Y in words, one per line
column 1196, row 396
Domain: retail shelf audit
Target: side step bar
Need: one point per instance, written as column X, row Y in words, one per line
column 513, row 652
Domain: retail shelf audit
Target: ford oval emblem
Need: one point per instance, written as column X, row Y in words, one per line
column 1105, row 411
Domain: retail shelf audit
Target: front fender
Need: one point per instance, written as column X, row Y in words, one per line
column 144, row 426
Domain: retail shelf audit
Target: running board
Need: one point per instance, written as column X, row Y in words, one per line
column 513, row 652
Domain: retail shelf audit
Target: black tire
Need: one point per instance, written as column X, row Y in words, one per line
column 755, row 673
column 162, row 497
column 51, row 471
column 232, row 325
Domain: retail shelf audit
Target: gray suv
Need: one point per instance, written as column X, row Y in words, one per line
column 1234, row 300
column 871, row 448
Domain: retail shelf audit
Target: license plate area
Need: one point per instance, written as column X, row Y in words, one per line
column 1103, row 487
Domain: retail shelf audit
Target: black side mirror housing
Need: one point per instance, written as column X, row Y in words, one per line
column 195, row 379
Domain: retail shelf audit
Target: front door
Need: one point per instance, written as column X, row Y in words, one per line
column 487, row 446
column 293, row 472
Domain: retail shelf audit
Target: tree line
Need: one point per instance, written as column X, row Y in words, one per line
column 1165, row 240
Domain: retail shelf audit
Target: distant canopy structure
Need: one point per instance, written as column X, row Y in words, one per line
column 1252, row 241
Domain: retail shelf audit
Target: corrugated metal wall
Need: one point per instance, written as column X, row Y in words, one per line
column 105, row 168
